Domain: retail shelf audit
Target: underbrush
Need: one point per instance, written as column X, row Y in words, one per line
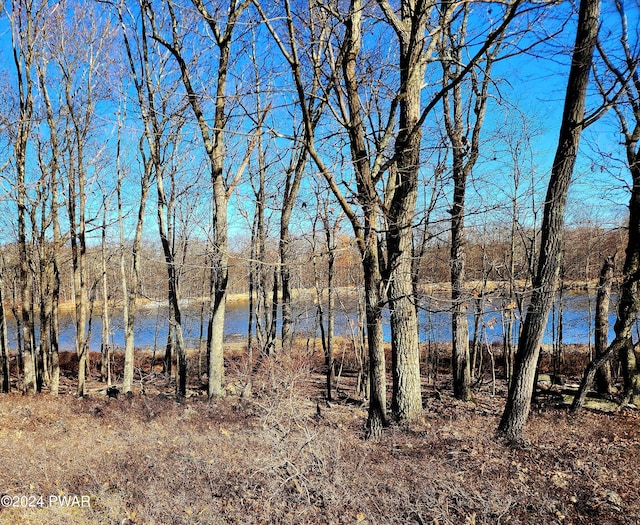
column 277, row 452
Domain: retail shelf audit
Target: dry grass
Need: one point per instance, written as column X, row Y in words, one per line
column 271, row 458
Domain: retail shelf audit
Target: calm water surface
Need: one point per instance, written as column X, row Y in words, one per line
column 435, row 323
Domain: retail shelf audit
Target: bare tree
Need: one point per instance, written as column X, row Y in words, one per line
column 463, row 121
column 416, row 49
column 601, row 332
column 351, row 114
column 26, row 18
column 325, row 249
column 387, row 260
column 79, row 54
column 418, row 27
column 573, row 121
column 624, row 95
column 51, row 286
column 213, row 139
column 161, row 136
column 5, row 385
column 130, row 277
column 105, row 336
column 312, row 104
column 366, row 230
column 522, row 240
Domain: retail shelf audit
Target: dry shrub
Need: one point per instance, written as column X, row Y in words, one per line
column 575, row 358
column 280, row 382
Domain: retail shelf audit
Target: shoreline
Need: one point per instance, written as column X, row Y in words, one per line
column 310, row 294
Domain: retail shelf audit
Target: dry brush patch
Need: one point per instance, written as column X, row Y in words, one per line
column 272, row 458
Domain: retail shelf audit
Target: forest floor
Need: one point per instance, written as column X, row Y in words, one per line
column 285, row 455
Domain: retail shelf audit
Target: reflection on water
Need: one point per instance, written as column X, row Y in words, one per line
column 435, row 323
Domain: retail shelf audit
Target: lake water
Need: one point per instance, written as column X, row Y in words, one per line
column 435, row 323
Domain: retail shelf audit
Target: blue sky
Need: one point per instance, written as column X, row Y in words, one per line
column 534, row 86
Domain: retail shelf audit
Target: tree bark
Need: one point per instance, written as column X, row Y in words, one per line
column 76, row 210
column 601, row 334
column 5, row 384
column 628, row 304
column 406, row 402
column 377, row 417
column 366, row 233
column 518, row 403
column 460, row 328
column 213, row 142
column 105, row 344
column 23, row 31
column 219, row 281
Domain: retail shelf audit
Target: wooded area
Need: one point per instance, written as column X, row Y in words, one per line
column 180, row 152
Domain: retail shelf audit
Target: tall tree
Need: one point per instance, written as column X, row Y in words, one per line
column 51, row 286
column 80, row 55
column 385, row 186
column 26, row 18
column 5, row 376
column 418, row 27
column 161, row 132
column 415, row 50
column 518, row 403
column 130, row 273
column 312, row 105
column 366, row 229
column 212, row 132
column 624, row 95
column 352, row 117
column 463, row 118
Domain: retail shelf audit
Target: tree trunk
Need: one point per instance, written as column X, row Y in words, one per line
column 326, row 332
column 164, row 212
column 23, row 61
column 214, row 145
column 53, row 300
column 603, row 375
column 105, row 346
column 219, row 281
column 42, row 277
column 629, row 303
column 45, row 307
column 519, row 398
column 330, row 359
column 558, row 356
column 628, row 306
column 130, row 287
column 367, row 233
column 78, row 250
column 127, row 315
column 365, row 227
column 167, row 360
column 286, row 329
column 406, row 402
column 465, row 153
column 377, row 418
column 460, row 328
column 509, row 308
column 5, row 385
